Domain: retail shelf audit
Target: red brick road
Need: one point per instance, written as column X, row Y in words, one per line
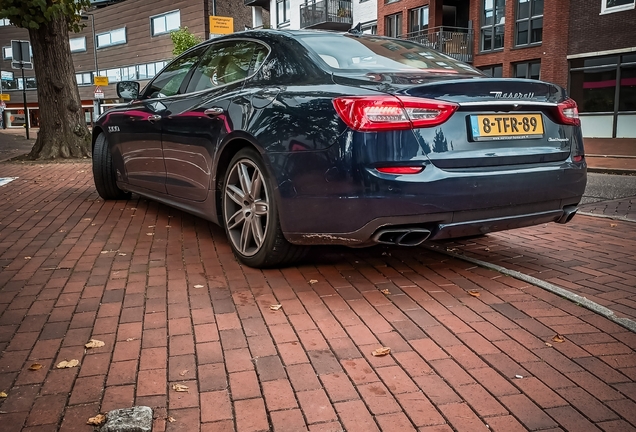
column 163, row 291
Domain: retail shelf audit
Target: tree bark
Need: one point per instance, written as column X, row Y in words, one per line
column 63, row 132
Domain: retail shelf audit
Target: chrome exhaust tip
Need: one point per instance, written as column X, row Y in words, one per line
column 402, row 236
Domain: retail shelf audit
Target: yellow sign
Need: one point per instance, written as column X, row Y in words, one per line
column 221, row 25
column 101, row 81
column 5, row 96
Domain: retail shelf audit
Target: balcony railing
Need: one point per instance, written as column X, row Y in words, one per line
column 456, row 42
column 326, row 14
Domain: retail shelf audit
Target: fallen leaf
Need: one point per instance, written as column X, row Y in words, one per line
column 3, row 395
column 381, row 352
column 518, row 376
column 558, row 338
column 183, row 372
column 171, row 419
column 150, row 234
column 94, row 343
column 613, row 225
column 151, row 226
column 67, row 364
column 385, row 291
column 98, row 420
column 27, row 258
column 198, row 286
column 474, row 293
column 86, row 219
column 548, row 344
column 35, row 366
column 130, row 339
column 104, row 251
column 180, row 387
column 121, row 254
column 168, row 226
column 275, row 307
column 487, row 249
column 312, row 281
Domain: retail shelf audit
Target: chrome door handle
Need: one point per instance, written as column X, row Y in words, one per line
column 213, row 111
column 154, row 117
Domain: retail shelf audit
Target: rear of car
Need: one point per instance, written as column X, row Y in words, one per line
column 437, row 150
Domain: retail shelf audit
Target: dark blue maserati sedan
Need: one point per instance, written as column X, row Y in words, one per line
column 296, row 138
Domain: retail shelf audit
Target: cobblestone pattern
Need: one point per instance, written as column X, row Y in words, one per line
column 130, row 273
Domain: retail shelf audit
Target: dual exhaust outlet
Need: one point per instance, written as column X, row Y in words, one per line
column 402, row 236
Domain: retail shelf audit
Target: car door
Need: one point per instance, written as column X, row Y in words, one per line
column 195, row 123
column 139, row 136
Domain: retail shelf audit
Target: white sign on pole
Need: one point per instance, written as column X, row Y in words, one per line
column 99, row 93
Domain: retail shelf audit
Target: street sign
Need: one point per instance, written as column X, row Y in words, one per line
column 99, row 93
column 221, row 25
column 100, row 81
column 21, row 51
column 5, row 97
column 21, row 65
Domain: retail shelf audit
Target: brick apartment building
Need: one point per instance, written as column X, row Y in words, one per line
column 132, row 43
column 602, row 62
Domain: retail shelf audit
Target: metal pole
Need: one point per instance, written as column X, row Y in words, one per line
column 26, row 111
column 96, row 104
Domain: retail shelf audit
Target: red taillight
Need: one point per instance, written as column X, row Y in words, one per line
column 568, row 113
column 401, row 170
column 383, row 113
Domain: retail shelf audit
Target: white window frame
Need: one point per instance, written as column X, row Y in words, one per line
column 165, row 19
column 607, row 10
column 7, row 53
column 110, row 34
column 77, row 39
column 5, row 22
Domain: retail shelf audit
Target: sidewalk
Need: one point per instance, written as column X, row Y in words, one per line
column 471, row 350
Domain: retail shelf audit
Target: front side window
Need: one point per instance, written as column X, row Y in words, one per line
column 494, row 71
column 609, row 6
column 113, row 37
column 165, row 23
column 528, row 70
column 418, row 19
column 393, row 25
column 493, row 21
column 282, row 11
column 168, row 82
column 78, row 44
column 529, row 25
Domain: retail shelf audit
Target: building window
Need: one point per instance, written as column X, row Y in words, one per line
column 393, row 25
column 418, row 19
column 4, row 22
column 84, row 78
column 493, row 71
column 529, row 26
column 30, row 83
column 282, row 11
column 370, row 29
column 493, row 21
column 528, row 70
column 113, row 37
column 610, row 6
column 165, row 23
column 7, row 53
column 78, row 44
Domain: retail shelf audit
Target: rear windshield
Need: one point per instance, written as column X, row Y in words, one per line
column 378, row 54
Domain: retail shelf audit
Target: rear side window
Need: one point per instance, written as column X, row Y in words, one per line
column 377, row 54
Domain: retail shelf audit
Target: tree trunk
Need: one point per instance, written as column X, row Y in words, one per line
column 63, row 132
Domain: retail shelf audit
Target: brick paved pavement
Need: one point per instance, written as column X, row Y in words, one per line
column 164, row 292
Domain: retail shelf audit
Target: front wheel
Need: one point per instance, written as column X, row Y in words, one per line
column 104, row 172
column 250, row 214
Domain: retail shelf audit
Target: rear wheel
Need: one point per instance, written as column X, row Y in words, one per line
column 104, row 172
column 250, row 214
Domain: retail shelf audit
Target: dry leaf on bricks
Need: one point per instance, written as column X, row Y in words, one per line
column 27, row 258
column 313, row 281
column 183, row 372
column 548, row 344
column 35, row 366
column 180, row 387
column 3, row 395
column 558, row 338
column 381, row 352
column 198, row 286
column 613, row 225
column 98, row 420
column 94, row 343
column 385, row 292
column 67, row 364
column 474, row 293
column 275, row 307
column 171, row 419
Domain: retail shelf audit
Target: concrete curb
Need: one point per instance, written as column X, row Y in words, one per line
column 562, row 292
column 618, row 171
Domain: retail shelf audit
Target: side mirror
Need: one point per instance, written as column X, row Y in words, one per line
column 128, row 90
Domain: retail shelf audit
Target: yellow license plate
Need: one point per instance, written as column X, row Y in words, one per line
column 499, row 126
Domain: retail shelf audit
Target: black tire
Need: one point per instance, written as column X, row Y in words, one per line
column 243, row 214
column 104, row 172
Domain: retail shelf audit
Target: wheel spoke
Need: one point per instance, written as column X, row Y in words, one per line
column 235, row 194
column 235, row 220
column 246, row 234
column 244, row 179
column 261, row 208
column 257, row 231
column 257, row 181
